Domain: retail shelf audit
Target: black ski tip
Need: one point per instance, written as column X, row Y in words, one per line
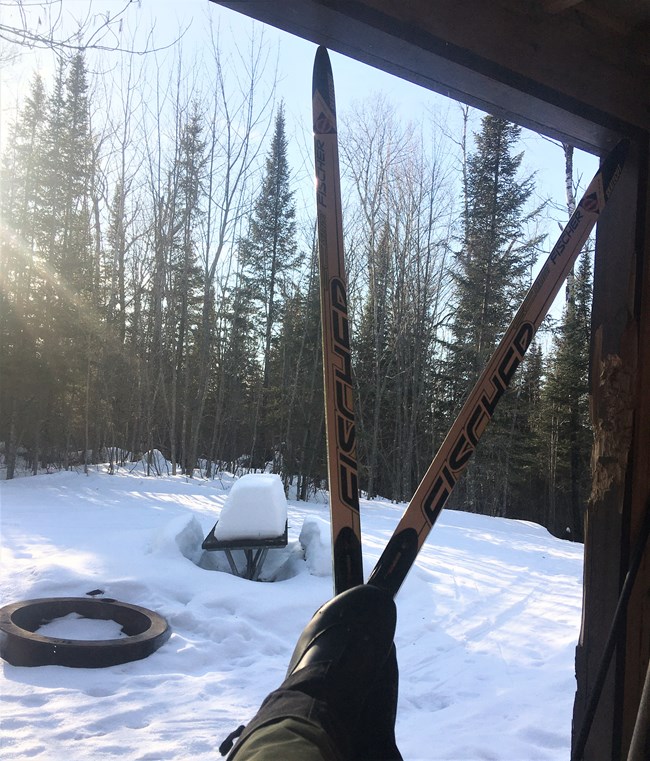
column 322, row 57
column 348, row 563
column 612, row 166
column 322, row 80
column 619, row 152
column 396, row 561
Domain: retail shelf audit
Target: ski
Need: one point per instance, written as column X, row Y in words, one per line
column 337, row 366
column 461, row 440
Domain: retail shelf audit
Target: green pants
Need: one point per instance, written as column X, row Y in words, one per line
column 290, row 739
column 292, row 724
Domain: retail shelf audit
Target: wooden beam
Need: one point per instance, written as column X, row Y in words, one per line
column 544, row 71
column 556, row 6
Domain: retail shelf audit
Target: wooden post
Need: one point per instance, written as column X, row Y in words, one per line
column 637, row 644
column 620, row 357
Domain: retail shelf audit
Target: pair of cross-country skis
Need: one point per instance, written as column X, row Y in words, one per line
column 457, row 448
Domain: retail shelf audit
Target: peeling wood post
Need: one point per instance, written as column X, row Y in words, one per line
column 619, row 385
column 637, row 645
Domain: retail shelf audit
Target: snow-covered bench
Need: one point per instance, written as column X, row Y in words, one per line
column 254, row 520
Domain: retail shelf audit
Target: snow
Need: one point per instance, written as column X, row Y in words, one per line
column 487, row 627
column 256, row 508
column 76, row 627
column 316, row 542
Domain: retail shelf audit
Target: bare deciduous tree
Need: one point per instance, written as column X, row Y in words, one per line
column 66, row 29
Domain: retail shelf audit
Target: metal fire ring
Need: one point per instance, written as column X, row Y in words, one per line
column 21, row 645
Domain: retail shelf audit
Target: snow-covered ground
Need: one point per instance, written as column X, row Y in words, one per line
column 488, row 621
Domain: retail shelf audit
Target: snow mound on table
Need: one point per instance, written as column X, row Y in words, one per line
column 256, row 508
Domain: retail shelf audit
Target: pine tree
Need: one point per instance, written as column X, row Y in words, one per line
column 185, row 285
column 298, row 365
column 75, row 316
column 268, row 257
column 374, row 364
column 50, row 208
column 524, row 475
column 78, row 167
column 239, row 377
column 490, row 273
column 54, row 158
column 566, row 410
column 495, row 259
column 21, row 280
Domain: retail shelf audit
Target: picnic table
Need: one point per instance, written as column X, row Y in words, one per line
column 255, row 551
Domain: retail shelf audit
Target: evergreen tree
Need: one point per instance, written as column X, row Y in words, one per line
column 75, row 317
column 239, row 377
column 374, row 364
column 524, row 474
column 297, row 363
column 22, row 319
column 78, row 166
column 54, row 158
column 566, row 410
column 491, row 271
column 48, row 204
column 495, row 258
column 268, row 258
column 185, row 284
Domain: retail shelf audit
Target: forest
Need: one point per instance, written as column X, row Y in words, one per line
column 159, row 291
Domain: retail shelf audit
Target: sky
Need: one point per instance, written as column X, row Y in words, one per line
column 159, row 23
column 353, row 80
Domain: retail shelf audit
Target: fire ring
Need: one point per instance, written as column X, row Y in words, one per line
column 21, row 645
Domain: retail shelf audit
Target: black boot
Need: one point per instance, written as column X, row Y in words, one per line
column 349, row 633
column 375, row 735
column 339, row 658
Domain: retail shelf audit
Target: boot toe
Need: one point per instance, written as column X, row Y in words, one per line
column 354, row 631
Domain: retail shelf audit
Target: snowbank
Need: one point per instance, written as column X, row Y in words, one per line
column 315, row 539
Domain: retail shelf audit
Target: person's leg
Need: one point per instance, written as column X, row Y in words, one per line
column 344, row 654
column 289, row 725
column 289, row 740
column 376, row 730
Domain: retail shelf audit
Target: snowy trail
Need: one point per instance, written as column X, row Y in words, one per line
column 488, row 621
